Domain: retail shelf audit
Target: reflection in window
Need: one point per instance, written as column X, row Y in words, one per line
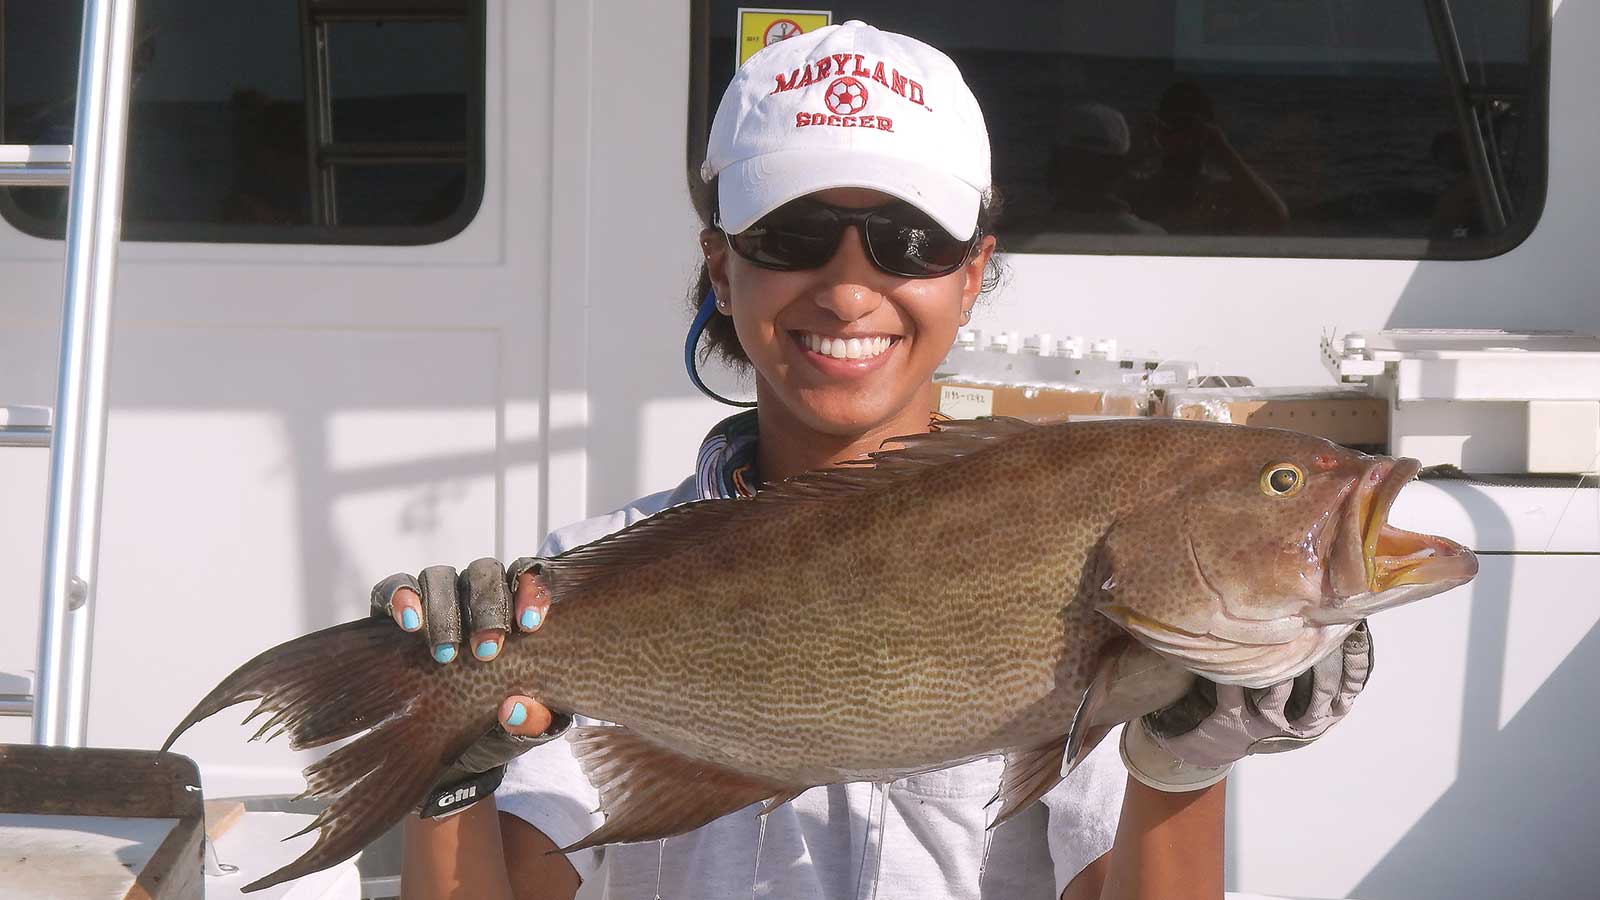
column 1298, row 127
column 314, row 121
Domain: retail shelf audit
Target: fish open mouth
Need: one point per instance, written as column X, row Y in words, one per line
column 1395, row 557
column 1373, row 565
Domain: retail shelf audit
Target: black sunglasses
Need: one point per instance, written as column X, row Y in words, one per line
column 900, row 239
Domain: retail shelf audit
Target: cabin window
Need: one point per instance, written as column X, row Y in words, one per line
column 308, row 121
column 1331, row 128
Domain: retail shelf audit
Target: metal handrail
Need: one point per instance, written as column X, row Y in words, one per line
column 35, row 165
column 24, row 437
column 77, row 450
column 16, row 704
column 25, row 426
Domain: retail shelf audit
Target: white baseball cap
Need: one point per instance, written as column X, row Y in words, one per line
column 849, row 106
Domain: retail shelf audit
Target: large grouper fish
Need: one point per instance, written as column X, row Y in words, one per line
column 990, row 588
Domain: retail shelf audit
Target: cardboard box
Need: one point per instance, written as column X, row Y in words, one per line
column 1352, row 418
column 967, row 399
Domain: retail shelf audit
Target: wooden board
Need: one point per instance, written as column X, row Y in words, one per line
column 222, row 815
column 134, row 791
column 77, row 857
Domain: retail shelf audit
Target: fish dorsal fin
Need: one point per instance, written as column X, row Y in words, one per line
column 948, row 440
column 648, row 792
column 700, row 522
column 1029, row 775
column 901, row 457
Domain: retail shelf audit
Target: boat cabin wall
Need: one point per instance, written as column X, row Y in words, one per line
column 291, row 422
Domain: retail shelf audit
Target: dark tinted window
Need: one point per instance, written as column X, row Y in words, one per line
column 337, row 121
column 1236, row 127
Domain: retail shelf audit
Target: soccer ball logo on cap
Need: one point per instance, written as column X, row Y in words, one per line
column 846, row 96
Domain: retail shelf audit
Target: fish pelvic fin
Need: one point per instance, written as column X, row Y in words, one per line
column 648, row 792
column 366, row 678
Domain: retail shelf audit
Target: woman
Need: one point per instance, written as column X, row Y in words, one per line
column 849, row 237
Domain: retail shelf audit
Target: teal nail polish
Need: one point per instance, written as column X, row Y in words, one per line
column 519, row 714
column 409, row 620
column 530, row 619
column 444, row 653
column 486, row 649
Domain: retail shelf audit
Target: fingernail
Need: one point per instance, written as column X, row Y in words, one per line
column 409, row 620
column 444, row 652
column 519, row 714
column 486, row 650
column 530, row 618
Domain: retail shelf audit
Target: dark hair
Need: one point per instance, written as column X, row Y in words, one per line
column 721, row 339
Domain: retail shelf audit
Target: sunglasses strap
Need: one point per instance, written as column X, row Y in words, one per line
column 708, row 308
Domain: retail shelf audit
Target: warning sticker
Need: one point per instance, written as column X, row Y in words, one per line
column 761, row 27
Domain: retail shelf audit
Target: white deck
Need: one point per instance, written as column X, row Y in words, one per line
column 256, row 846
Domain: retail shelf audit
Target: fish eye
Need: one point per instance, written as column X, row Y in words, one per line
column 1282, row 479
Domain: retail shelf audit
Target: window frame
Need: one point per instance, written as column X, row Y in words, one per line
column 314, row 234
column 1243, row 246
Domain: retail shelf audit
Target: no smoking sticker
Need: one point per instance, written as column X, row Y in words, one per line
column 759, row 28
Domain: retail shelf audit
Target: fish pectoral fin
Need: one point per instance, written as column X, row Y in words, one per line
column 1086, row 732
column 1029, row 775
column 648, row 792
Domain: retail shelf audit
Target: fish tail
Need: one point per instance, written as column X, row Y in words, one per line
column 363, row 678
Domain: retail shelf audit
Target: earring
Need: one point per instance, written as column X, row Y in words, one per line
column 722, row 305
column 966, row 316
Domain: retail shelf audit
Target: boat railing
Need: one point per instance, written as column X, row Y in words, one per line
column 92, row 170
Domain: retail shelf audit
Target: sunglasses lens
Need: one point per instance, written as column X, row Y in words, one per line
column 794, row 236
column 804, row 234
column 905, row 241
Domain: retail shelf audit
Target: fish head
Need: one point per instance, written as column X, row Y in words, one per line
column 1268, row 548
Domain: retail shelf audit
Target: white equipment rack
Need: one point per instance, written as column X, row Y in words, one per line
column 1482, row 400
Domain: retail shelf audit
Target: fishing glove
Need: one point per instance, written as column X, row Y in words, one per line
column 1193, row 743
column 455, row 607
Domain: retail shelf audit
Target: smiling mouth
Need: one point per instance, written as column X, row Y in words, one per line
column 859, row 348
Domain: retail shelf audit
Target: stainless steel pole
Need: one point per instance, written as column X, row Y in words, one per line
column 77, row 453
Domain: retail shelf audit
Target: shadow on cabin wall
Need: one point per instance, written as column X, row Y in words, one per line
column 1520, row 818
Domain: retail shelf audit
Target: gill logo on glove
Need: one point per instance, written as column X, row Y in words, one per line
column 457, row 795
column 461, row 795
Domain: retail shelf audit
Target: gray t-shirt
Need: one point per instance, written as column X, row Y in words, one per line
column 920, row 838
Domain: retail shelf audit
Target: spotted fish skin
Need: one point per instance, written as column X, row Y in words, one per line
column 994, row 588
column 881, row 631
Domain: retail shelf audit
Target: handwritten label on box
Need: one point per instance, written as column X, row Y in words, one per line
column 966, row 402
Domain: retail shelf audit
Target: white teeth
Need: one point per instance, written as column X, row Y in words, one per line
column 846, row 348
